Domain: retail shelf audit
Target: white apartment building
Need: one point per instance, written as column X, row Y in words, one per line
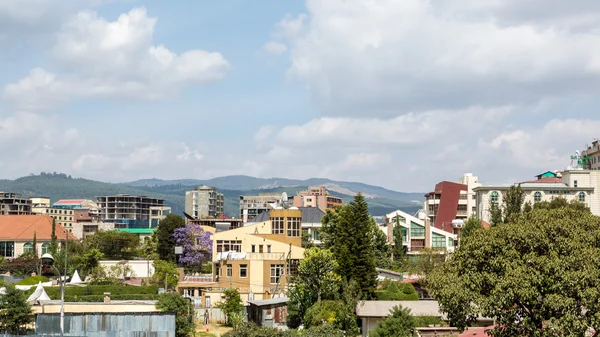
column 417, row 234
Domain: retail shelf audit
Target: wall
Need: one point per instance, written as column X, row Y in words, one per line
column 141, row 268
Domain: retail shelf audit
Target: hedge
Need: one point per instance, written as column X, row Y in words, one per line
column 115, row 291
column 426, row 321
column 397, row 292
column 100, row 298
column 33, row 280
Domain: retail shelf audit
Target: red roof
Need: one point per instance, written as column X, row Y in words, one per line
column 476, row 332
column 485, row 224
column 69, row 202
column 547, row 180
column 22, row 228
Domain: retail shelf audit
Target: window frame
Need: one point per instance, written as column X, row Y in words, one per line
column 276, row 272
column 278, row 225
column 581, row 196
column 293, row 226
column 244, row 267
column 537, row 196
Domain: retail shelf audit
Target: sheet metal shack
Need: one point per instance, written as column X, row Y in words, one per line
column 270, row 313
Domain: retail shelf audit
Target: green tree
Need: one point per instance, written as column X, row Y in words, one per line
column 527, row 207
column 34, row 243
column 299, row 301
column 427, row 261
column 114, row 244
column 470, row 226
column 15, row 312
column 182, row 308
column 86, row 263
column 537, row 276
column 513, row 203
column 164, row 271
column 399, row 323
column 231, row 304
column 495, row 214
column 164, row 234
column 53, row 233
column 306, row 240
column 556, row 203
column 398, row 251
column 317, row 272
column 149, row 248
column 350, row 236
column 382, row 249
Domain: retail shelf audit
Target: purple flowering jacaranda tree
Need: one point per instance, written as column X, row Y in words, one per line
column 196, row 244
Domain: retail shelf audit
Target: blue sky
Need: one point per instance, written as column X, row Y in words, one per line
column 398, row 94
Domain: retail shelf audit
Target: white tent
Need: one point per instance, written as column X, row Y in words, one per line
column 75, row 279
column 3, row 291
column 39, row 294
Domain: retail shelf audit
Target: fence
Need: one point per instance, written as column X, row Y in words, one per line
column 215, row 315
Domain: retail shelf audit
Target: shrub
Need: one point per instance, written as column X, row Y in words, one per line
column 322, row 312
column 33, row 280
column 397, row 292
column 425, row 321
column 116, row 292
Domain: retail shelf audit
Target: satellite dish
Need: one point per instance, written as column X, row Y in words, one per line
column 284, row 200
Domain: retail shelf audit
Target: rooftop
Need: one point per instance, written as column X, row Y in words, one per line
column 137, row 230
column 382, row 308
column 23, row 227
column 270, row 301
column 70, row 202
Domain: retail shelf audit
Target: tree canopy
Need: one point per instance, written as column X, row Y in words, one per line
column 317, row 272
column 165, row 236
column 182, row 308
column 196, row 244
column 114, row 244
column 470, row 226
column 399, row 323
column 536, row 276
column 15, row 312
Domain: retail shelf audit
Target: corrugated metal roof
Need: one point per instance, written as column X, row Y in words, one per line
column 382, row 308
column 270, row 301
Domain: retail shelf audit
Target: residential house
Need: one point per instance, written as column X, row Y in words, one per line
column 16, row 236
column 311, row 222
column 417, row 234
column 316, row 196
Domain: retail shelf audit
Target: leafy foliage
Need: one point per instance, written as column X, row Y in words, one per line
column 427, row 261
column 164, row 270
column 165, row 236
column 252, row 330
column 556, row 203
column 470, row 226
column 322, row 312
column 399, row 323
column 15, row 312
column 300, row 301
column 114, row 245
column 382, row 249
column 396, row 291
column 86, row 263
column 182, row 308
column 317, row 273
column 33, row 280
column 425, row 321
column 513, row 203
column 196, row 244
column 232, row 304
column 398, row 251
column 537, row 276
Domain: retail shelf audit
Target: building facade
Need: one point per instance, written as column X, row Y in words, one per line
column 592, row 153
column 128, row 211
column 579, row 185
column 16, row 237
column 316, row 196
column 204, row 202
column 14, row 204
column 253, row 205
column 66, row 212
column 39, row 205
column 418, row 234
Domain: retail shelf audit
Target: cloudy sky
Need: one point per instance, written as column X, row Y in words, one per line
column 400, row 94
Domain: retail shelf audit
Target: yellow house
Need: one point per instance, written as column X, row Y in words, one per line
column 258, row 260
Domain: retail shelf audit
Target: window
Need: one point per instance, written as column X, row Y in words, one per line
column 293, row 267
column 229, row 245
column 28, row 248
column 582, row 196
column 316, row 234
column 537, row 196
column 277, row 226
column 293, row 227
column 416, row 230
column 450, row 242
column 260, row 248
column 574, row 183
column 229, row 270
column 7, row 248
column 438, row 241
column 276, row 273
column 494, row 197
column 253, row 248
column 268, row 248
column 243, row 270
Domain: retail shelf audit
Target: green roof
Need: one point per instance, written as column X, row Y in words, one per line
column 137, row 230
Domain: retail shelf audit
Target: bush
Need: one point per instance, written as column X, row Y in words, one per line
column 116, row 292
column 33, row 280
column 252, row 330
column 322, row 312
column 397, row 292
column 425, row 321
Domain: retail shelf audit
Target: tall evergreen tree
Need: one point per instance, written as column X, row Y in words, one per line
column 513, row 203
column 165, row 234
column 495, row 214
column 15, row 312
column 53, row 234
column 351, row 238
column 35, row 244
column 398, row 251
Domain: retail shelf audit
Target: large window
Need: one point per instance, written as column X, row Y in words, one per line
column 416, row 230
column 276, row 273
column 28, row 248
column 438, row 241
column 243, row 270
column 229, row 270
column 494, row 197
column 45, row 247
column 293, row 227
column 293, row 267
column 582, row 196
column 278, row 226
column 229, row 245
column 7, row 248
column 537, row 196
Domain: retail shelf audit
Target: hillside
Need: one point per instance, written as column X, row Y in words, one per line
column 61, row 186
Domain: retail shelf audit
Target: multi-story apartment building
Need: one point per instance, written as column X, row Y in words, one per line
column 204, row 202
column 418, row 234
column 580, row 185
column 258, row 259
column 39, row 205
column 14, row 204
column 253, row 205
column 311, row 222
column 592, row 156
column 316, row 196
column 132, row 212
column 450, row 203
column 65, row 212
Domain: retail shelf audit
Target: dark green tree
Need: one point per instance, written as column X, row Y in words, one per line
column 470, row 226
column 383, row 250
column 351, row 238
column 15, row 312
column 231, row 304
column 34, row 242
column 398, row 251
column 114, row 244
column 537, row 276
column 182, row 308
column 300, row 301
column 527, row 207
column 399, row 323
column 317, row 272
column 557, row 203
column 86, row 263
column 495, row 214
column 164, row 234
column 513, row 203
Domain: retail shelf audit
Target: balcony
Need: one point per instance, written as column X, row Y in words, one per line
column 265, row 256
column 206, row 278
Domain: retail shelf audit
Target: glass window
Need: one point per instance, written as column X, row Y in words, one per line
column 293, row 227
column 537, row 196
column 260, row 249
column 268, row 248
column 7, row 248
column 243, row 270
column 293, row 267
column 494, row 197
column 450, row 242
column 229, row 245
column 277, row 226
column 276, row 273
column 582, row 196
column 438, row 241
column 45, row 247
column 316, row 234
column 575, row 183
column 229, row 270
column 253, row 248
column 416, row 230
column 28, row 248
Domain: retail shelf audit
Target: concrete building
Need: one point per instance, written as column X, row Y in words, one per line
column 580, row 185
column 39, row 205
column 253, row 205
column 14, row 204
column 451, row 202
column 16, row 236
column 82, row 229
column 316, row 196
column 418, row 234
column 66, row 212
column 204, row 202
column 591, row 153
column 128, row 211
column 311, row 222
column 257, row 259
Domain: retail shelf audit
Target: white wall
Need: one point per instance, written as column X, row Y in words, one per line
column 141, row 268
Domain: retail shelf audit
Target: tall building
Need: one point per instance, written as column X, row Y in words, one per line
column 129, row 211
column 14, row 204
column 450, row 203
column 39, row 205
column 64, row 212
column 591, row 153
column 204, row 202
column 253, row 205
column 316, row 196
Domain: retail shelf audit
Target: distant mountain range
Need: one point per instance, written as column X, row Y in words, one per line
column 60, row 186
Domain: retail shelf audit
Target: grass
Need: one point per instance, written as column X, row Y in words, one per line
column 205, row 334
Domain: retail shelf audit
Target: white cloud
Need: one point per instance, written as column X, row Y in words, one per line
column 385, row 57
column 114, row 60
column 275, row 48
